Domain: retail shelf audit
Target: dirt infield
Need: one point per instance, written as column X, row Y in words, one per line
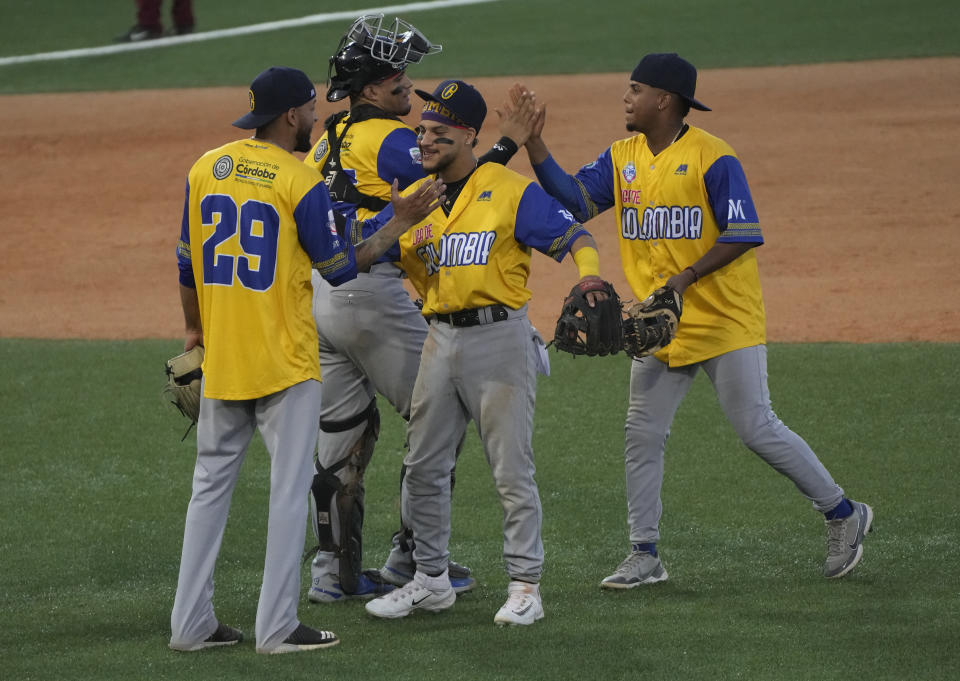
column 852, row 168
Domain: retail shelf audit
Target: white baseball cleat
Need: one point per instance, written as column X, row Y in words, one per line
column 399, row 569
column 523, row 605
column 421, row 593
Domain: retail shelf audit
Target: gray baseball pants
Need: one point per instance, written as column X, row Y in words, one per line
column 371, row 335
column 487, row 373
column 288, row 422
column 740, row 381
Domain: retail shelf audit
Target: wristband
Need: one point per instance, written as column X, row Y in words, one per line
column 696, row 276
column 588, row 262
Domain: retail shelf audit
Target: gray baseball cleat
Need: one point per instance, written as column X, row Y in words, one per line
column 640, row 567
column 845, row 540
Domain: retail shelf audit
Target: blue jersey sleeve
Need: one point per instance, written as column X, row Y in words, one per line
column 330, row 255
column 399, row 158
column 184, row 259
column 732, row 205
column 587, row 194
column 544, row 224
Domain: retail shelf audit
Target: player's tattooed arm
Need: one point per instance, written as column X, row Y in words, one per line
column 407, row 211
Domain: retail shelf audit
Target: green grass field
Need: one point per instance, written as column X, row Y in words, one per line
column 500, row 38
column 95, row 480
column 96, row 483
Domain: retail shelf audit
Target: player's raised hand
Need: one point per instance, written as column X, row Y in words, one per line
column 541, row 117
column 417, row 205
column 519, row 94
column 407, row 211
column 518, row 114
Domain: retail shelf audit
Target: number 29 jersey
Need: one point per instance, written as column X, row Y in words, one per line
column 255, row 221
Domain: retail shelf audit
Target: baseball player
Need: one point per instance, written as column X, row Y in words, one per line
column 255, row 221
column 150, row 26
column 360, row 153
column 470, row 260
column 687, row 221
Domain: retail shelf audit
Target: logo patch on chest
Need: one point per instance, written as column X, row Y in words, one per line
column 224, row 166
column 629, row 172
column 320, row 151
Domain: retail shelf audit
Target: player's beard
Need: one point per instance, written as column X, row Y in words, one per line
column 303, row 140
column 440, row 163
column 403, row 105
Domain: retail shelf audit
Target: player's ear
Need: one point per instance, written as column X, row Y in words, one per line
column 369, row 92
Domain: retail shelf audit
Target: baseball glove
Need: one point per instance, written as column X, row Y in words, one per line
column 585, row 330
column 652, row 323
column 183, row 382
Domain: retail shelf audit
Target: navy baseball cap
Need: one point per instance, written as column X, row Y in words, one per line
column 670, row 72
column 273, row 92
column 455, row 103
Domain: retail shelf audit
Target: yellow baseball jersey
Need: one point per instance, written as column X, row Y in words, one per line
column 673, row 207
column 373, row 152
column 255, row 221
column 479, row 254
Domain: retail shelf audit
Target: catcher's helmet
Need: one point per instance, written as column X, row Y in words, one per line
column 371, row 52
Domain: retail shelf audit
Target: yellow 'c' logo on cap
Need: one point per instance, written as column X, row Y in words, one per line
column 448, row 91
column 251, row 100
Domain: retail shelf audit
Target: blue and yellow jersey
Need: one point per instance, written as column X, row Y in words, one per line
column 373, row 152
column 673, row 207
column 480, row 254
column 255, row 221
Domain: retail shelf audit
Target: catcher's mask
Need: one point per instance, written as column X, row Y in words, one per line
column 372, row 51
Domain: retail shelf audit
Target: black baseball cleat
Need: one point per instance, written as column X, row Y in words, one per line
column 303, row 638
column 223, row 636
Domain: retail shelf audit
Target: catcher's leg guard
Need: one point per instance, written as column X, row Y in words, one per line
column 403, row 544
column 342, row 483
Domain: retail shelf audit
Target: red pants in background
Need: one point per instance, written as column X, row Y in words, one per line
column 148, row 14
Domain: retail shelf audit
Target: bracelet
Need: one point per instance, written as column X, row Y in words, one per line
column 696, row 276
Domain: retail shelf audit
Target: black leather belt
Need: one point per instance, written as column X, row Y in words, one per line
column 473, row 316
